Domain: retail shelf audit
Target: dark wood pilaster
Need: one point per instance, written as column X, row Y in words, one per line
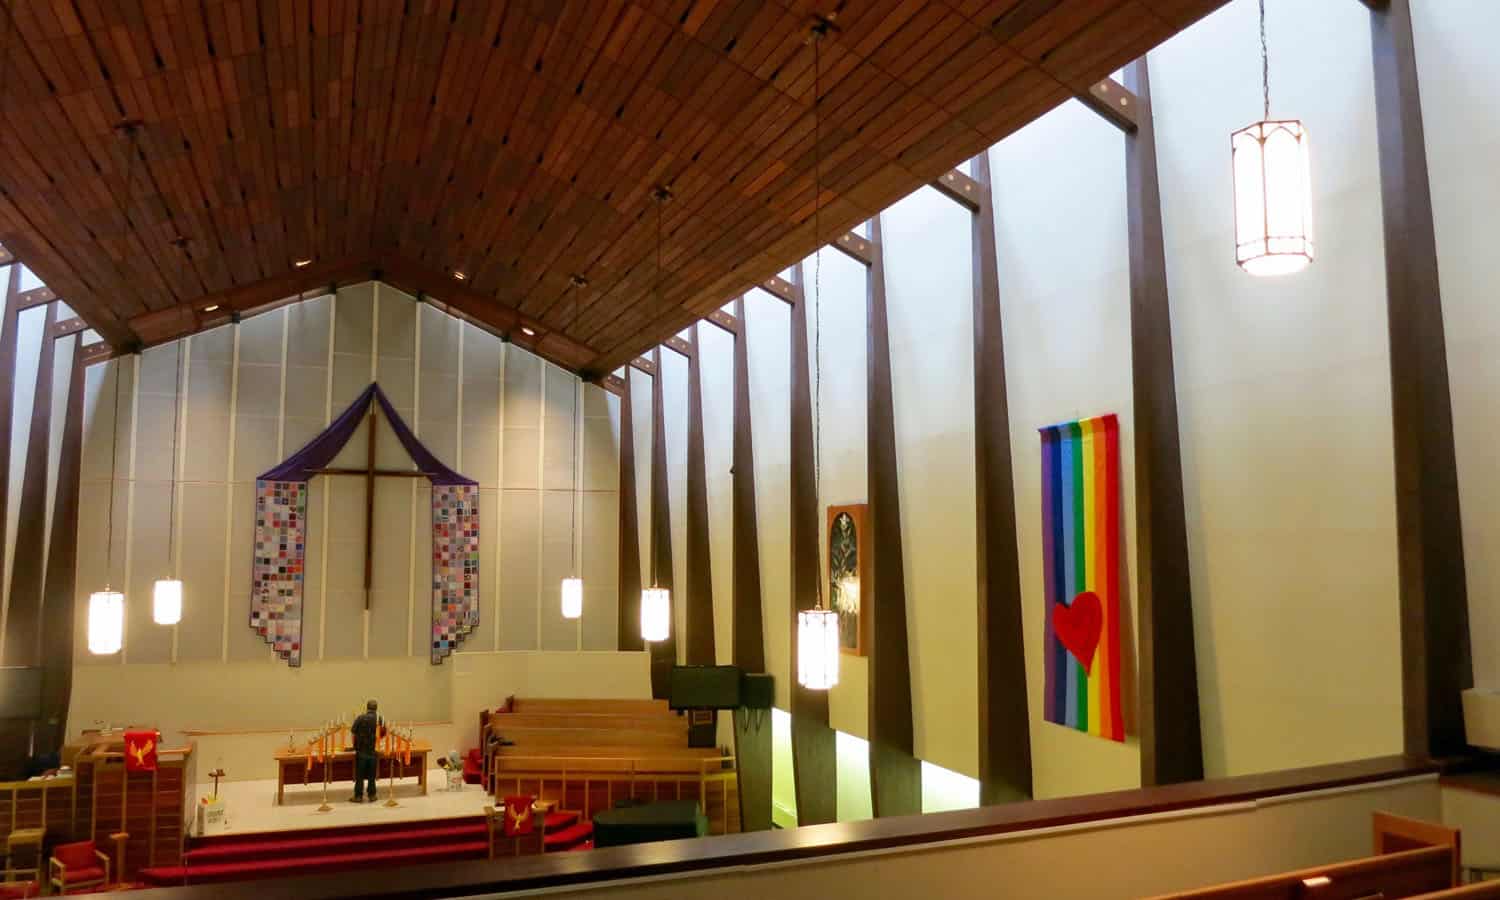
column 1171, row 739
column 813, row 754
column 663, row 653
column 1435, row 656
column 895, row 773
column 1004, row 723
column 629, row 622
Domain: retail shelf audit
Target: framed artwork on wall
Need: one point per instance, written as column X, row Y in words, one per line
column 849, row 580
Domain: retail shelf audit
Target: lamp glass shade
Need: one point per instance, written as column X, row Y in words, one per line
column 572, row 598
column 106, row 622
column 656, row 614
column 1273, row 230
column 817, row 649
column 166, row 602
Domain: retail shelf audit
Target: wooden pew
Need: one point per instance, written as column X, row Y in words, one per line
column 1396, row 833
column 1407, row 873
column 1486, row 890
column 586, row 754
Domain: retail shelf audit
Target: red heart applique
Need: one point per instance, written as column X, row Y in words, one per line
column 1079, row 625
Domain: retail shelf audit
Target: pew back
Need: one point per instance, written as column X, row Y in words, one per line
column 1407, row 873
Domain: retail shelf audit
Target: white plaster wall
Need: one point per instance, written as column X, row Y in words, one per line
column 768, row 329
column 1283, row 390
column 928, row 293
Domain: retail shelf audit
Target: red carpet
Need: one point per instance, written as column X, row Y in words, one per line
column 274, row 854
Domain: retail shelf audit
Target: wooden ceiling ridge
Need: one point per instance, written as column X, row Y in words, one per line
column 513, row 143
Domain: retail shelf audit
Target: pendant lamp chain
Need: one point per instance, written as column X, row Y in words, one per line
column 114, row 457
column 1265, row 63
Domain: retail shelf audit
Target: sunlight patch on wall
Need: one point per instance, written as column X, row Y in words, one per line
column 783, row 788
column 943, row 789
column 853, row 756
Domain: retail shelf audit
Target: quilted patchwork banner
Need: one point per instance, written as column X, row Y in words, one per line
column 277, row 573
column 455, row 566
column 1081, row 562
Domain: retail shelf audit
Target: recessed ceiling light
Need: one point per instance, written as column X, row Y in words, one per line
column 528, row 331
column 302, row 263
column 459, row 275
column 211, row 308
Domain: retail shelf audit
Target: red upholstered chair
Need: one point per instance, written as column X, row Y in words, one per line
column 77, row 866
column 474, row 766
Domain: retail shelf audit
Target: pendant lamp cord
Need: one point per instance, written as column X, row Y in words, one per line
column 818, row 32
column 114, row 456
column 1265, row 63
column 659, row 201
column 172, row 506
column 577, row 441
column 114, row 445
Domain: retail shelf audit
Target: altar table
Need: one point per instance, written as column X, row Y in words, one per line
column 292, row 767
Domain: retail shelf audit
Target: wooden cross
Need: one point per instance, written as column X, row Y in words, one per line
column 370, row 473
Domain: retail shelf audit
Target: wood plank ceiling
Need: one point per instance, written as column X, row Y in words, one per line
column 486, row 152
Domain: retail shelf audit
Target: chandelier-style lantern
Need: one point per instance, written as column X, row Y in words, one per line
column 817, row 649
column 656, row 601
column 818, row 628
column 1273, row 232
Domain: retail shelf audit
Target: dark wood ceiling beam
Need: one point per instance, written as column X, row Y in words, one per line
column 961, row 189
column 856, row 247
column 1117, row 104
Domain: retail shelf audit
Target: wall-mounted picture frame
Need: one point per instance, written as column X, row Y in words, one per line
column 849, row 579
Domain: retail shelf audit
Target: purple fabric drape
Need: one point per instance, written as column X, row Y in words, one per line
column 320, row 451
column 277, row 574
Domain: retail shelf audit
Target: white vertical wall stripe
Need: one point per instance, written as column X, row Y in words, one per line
column 286, row 322
column 374, row 362
column 179, row 461
column 333, row 322
column 411, row 546
column 541, row 500
column 499, row 489
column 575, row 539
column 234, row 396
column 135, row 409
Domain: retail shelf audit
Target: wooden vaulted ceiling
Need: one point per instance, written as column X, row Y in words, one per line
column 517, row 143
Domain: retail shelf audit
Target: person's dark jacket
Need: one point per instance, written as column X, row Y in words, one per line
column 365, row 731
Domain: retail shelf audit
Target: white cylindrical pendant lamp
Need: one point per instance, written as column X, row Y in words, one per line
column 166, row 602
column 572, row 598
column 106, row 622
column 656, row 614
column 817, row 649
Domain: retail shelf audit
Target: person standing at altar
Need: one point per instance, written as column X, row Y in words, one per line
column 366, row 734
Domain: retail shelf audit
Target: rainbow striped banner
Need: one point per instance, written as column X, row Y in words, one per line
column 1081, row 537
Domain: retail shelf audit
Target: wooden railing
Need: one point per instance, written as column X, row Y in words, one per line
column 591, row 773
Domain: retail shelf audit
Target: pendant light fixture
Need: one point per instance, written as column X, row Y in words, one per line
column 166, row 594
column 1273, row 232
column 656, row 601
column 818, row 628
column 106, row 625
column 572, row 586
